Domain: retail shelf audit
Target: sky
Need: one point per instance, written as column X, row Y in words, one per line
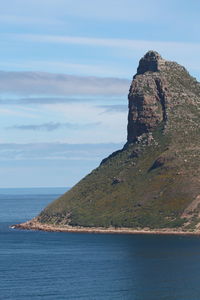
column 65, row 71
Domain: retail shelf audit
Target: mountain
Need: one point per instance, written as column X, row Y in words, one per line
column 154, row 181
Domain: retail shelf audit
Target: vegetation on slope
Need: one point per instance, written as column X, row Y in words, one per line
column 154, row 179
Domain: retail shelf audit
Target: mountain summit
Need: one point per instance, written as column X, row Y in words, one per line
column 152, row 61
column 154, row 181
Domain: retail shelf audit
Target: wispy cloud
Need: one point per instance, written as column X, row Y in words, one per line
column 104, row 42
column 52, row 126
column 114, row 108
column 15, row 112
column 98, row 68
column 62, row 99
column 184, row 52
column 56, row 151
column 39, row 83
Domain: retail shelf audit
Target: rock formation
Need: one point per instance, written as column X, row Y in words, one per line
column 154, row 180
column 147, row 97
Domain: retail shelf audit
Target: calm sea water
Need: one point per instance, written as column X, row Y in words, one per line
column 41, row 265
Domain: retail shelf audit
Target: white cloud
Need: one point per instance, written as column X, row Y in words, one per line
column 38, row 83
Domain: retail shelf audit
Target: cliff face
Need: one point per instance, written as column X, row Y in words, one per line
column 154, row 180
column 147, row 97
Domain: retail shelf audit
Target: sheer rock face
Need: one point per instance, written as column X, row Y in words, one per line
column 147, row 97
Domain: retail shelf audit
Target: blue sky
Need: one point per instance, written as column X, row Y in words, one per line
column 65, row 71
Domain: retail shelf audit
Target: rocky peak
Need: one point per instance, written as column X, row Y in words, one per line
column 152, row 61
column 147, row 97
column 161, row 94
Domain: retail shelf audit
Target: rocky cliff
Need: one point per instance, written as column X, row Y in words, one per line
column 154, row 180
column 147, row 97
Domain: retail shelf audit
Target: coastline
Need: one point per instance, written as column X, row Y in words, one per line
column 37, row 226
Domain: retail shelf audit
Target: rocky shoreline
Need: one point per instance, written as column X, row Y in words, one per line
column 35, row 225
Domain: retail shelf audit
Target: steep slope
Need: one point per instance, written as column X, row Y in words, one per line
column 154, row 180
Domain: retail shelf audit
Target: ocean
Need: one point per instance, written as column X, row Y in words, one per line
column 54, row 266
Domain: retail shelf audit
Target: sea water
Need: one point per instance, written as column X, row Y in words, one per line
column 54, row 266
